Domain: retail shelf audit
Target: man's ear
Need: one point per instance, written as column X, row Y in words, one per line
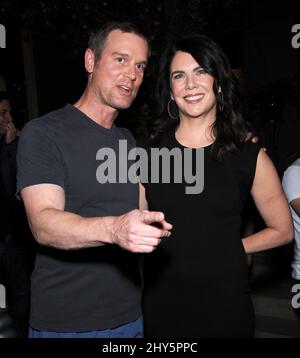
column 89, row 60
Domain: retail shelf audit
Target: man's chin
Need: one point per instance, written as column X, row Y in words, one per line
column 124, row 105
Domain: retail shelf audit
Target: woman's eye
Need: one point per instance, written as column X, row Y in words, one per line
column 178, row 76
column 201, row 71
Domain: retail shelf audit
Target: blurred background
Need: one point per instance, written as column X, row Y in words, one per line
column 42, row 65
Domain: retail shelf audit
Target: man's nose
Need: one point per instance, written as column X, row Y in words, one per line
column 131, row 72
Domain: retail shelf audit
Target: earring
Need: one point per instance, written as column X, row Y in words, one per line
column 221, row 100
column 169, row 110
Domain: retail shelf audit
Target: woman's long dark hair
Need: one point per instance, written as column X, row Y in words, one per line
column 229, row 128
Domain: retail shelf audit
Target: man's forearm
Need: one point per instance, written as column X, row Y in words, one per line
column 65, row 230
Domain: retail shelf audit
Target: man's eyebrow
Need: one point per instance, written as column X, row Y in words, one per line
column 120, row 54
column 144, row 62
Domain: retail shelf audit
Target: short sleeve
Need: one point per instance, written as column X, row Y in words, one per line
column 291, row 182
column 39, row 160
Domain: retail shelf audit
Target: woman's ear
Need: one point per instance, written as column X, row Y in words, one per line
column 171, row 95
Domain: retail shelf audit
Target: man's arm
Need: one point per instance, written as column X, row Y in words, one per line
column 52, row 226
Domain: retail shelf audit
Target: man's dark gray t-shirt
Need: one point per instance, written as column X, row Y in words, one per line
column 85, row 289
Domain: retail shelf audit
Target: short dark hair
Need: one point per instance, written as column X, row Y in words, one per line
column 99, row 36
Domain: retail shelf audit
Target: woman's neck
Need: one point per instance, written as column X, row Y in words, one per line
column 194, row 133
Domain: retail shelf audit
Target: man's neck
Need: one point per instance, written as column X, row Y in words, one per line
column 99, row 113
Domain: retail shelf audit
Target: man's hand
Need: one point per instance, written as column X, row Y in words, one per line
column 10, row 132
column 134, row 231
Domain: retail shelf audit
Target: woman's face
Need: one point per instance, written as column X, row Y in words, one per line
column 191, row 87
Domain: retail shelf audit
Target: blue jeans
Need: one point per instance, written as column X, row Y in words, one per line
column 133, row 329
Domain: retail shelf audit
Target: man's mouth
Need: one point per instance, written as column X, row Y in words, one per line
column 125, row 90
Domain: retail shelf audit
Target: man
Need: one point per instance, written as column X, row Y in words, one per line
column 15, row 246
column 86, row 280
column 8, row 131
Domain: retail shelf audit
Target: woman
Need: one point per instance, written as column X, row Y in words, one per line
column 196, row 281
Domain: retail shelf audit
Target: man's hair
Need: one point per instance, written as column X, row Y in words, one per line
column 99, row 36
column 4, row 95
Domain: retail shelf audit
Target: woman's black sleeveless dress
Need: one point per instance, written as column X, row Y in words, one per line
column 196, row 281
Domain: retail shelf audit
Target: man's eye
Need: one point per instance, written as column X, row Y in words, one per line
column 120, row 60
column 140, row 66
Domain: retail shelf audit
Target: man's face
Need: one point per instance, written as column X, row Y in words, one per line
column 117, row 75
column 5, row 116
